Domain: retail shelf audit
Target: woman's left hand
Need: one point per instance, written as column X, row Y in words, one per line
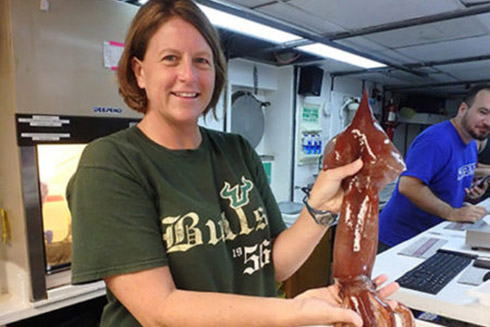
column 327, row 192
column 325, row 305
column 331, row 293
column 330, row 297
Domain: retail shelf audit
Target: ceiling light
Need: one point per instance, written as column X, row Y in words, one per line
column 340, row 55
column 142, row 2
column 245, row 26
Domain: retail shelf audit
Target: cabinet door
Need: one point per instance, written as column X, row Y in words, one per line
column 315, row 272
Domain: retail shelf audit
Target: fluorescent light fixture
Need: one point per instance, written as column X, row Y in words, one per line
column 142, row 2
column 340, row 55
column 245, row 26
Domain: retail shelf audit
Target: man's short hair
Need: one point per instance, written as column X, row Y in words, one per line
column 470, row 96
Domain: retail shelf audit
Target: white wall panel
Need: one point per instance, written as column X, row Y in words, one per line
column 59, row 59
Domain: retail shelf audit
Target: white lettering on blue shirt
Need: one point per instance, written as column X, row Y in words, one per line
column 466, row 170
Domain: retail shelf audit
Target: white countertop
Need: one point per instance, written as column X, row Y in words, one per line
column 14, row 309
column 452, row 301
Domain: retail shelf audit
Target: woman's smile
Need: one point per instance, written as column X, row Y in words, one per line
column 186, row 95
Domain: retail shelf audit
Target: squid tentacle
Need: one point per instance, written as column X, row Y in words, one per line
column 405, row 315
column 385, row 315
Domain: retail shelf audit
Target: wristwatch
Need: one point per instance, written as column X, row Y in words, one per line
column 321, row 217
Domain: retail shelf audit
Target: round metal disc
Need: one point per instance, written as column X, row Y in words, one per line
column 247, row 117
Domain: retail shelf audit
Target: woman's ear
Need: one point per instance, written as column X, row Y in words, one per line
column 138, row 71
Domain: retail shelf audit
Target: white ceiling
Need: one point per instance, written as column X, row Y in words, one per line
column 408, row 47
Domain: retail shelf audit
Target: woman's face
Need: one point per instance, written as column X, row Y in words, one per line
column 177, row 73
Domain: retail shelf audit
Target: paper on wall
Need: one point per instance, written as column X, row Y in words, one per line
column 112, row 53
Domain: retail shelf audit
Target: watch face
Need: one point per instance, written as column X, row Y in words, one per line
column 325, row 219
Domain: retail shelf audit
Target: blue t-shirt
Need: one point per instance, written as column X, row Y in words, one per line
column 438, row 157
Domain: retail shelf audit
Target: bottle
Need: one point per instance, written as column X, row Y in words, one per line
column 309, row 149
column 315, row 144
column 390, row 118
column 305, row 143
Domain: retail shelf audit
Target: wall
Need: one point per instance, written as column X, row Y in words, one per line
column 13, row 255
column 279, row 135
column 215, row 122
column 333, row 121
column 59, row 57
column 274, row 85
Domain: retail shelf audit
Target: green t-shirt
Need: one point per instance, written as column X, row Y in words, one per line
column 207, row 213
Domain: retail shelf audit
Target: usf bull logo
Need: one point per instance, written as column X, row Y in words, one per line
column 238, row 197
column 238, row 194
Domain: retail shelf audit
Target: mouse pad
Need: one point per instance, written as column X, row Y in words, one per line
column 472, row 276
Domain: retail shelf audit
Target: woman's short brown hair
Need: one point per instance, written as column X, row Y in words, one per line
column 144, row 25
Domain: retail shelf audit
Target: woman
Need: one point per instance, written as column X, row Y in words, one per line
column 179, row 220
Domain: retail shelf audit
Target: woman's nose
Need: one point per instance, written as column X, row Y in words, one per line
column 187, row 71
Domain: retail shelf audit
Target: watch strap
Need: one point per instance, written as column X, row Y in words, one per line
column 321, row 217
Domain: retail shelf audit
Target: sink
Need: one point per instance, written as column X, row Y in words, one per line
column 289, row 207
column 290, row 211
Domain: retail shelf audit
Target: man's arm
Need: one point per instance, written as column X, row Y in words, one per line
column 421, row 195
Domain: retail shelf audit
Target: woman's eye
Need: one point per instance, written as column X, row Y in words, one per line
column 202, row 61
column 169, row 58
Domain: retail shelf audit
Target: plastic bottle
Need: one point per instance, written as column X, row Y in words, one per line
column 309, row 149
column 318, row 144
column 305, row 143
column 315, row 143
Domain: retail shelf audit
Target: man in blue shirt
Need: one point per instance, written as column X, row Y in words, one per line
column 440, row 166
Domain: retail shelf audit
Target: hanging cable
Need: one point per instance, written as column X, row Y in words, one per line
column 5, row 226
column 256, row 80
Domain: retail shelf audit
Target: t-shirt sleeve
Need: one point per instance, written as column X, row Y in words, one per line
column 424, row 159
column 115, row 226
column 274, row 215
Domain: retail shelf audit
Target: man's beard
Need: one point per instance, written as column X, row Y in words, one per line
column 472, row 132
column 477, row 136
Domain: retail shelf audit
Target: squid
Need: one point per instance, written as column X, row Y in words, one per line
column 356, row 238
